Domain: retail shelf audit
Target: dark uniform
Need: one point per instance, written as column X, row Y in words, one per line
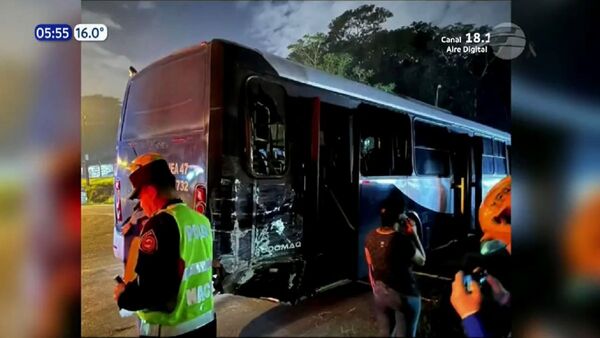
column 391, row 256
column 159, row 267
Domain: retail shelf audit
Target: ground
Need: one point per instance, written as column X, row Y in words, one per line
column 345, row 311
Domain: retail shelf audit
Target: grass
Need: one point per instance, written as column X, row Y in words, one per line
column 98, row 181
column 99, row 191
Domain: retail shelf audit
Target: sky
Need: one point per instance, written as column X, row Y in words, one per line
column 142, row 32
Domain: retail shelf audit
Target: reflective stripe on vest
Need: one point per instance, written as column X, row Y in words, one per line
column 194, row 306
column 197, row 268
column 157, row 330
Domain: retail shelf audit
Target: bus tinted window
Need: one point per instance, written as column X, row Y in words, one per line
column 267, row 129
column 500, row 165
column 494, row 157
column 384, row 143
column 167, row 98
column 508, row 156
column 376, row 155
column 500, row 158
column 487, row 166
column 432, row 156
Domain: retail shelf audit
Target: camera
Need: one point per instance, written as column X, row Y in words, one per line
column 478, row 276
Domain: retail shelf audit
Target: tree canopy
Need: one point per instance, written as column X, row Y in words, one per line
column 99, row 124
column 411, row 61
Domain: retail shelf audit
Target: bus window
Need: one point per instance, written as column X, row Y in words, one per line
column 376, row 155
column 267, row 132
column 494, row 157
column 500, row 158
column 167, row 98
column 509, row 158
column 402, row 147
column 488, row 157
column 432, row 156
column 385, row 144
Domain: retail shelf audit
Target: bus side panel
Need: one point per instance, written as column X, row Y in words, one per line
column 257, row 226
column 430, row 197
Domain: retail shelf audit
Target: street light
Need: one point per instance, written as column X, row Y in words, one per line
column 437, row 92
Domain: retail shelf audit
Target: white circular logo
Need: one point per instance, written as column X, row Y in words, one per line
column 507, row 40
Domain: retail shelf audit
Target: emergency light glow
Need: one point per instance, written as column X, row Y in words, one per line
column 200, row 199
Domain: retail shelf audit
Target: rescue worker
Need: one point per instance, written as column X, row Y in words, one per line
column 172, row 293
column 390, row 255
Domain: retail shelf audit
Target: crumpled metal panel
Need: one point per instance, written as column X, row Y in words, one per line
column 255, row 224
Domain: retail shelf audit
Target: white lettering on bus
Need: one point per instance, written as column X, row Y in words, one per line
column 179, row 168
column 182, row 185
column 280, row 247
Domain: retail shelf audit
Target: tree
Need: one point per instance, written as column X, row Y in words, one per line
column 309, row 50
column 99, row 124
column 411, row 61
column 312, row 50
column 357, row 24
column 337, row 64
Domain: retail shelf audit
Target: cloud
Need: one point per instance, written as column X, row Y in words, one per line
column 279, row 24
column 103, row 71
column 94, row 17
column 146, row 5
column 441, row 14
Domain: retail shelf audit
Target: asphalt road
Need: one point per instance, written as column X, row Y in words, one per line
column 100, row 316
column 345, row 311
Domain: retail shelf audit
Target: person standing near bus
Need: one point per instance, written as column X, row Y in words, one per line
column 172, row 293
column 390, row 255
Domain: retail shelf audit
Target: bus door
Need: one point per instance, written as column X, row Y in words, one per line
column 338, row 195
column 462, row 180
column 304, row 117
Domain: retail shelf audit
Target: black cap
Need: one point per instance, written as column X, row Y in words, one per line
column 149, row 169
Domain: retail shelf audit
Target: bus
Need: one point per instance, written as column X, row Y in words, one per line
column 291, row 164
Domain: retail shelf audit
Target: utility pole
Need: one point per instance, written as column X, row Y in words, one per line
column 86, row 157
column 437, row 94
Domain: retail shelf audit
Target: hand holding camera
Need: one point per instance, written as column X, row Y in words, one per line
column 466, row 295
column 465, row 302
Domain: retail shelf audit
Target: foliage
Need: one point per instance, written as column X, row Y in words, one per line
column 309, row 50
column 98, row 181
column 99, row 124
column 411, row 61
column 338, row 64
column 357, row 24
column 100, row 190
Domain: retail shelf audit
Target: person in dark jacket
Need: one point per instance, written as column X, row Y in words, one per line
column 390, row 256
column 172, row 292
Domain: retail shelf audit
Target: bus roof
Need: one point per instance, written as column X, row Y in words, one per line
column 316, row 78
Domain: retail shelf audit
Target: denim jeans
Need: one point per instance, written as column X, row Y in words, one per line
column 397, row 314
